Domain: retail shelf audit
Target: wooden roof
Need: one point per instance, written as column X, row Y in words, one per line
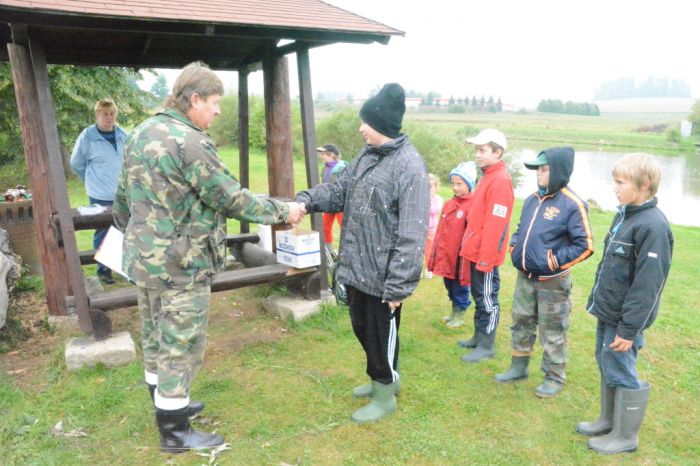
column 227, row 34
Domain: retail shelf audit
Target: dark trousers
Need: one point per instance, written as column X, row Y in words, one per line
column 485, row 288
column 458, row 294
column 99, row 235
column 377, row 329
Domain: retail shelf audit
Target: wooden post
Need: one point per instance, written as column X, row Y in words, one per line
column 243, row 136
column 278, row 127
column 57, row 186
column 35, row 153
column 280, row 167
column 308, row 127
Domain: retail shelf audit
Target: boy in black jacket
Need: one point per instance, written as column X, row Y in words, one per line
column 625, row 299
column 554, row 234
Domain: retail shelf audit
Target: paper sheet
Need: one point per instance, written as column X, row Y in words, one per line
column 110, row 252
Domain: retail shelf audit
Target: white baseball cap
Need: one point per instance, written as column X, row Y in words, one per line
column 488, row 135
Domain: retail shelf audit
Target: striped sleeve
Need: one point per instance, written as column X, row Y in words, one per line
column 580, row 234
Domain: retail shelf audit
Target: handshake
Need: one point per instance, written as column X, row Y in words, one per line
column 297, row 210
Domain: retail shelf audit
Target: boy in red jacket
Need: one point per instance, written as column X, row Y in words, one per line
column 485, row 242
column 443, row 257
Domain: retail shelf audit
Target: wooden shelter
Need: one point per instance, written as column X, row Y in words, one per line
column 237, row 35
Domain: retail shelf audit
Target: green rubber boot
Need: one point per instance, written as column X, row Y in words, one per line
column 365, row 390
column 603, row 424
column 458, row 318
column 516, row 371
column 382, row 403
column 628, row 415
column 484, row 348
column 448, row 319
column 470, row 343
column 548, row 388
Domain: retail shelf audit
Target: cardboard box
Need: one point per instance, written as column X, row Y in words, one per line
column 298, row 248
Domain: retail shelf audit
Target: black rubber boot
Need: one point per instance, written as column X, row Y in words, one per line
column 177, row 435
column 516, row 371
column 628, row 415
column 603, row 424
column 484, row 348
column 193, row 408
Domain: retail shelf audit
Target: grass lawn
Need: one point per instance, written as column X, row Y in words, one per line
column 279, row 391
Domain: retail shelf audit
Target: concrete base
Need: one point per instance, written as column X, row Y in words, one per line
column 117, row 350
column 295, row 306
column 69, row 322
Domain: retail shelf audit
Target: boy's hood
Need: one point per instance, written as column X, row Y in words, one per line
column 561, row 165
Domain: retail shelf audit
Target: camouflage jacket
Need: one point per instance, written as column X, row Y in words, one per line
column 172, row 200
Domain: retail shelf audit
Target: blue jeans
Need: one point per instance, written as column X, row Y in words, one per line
column 99, row 235
column 616, row 369
column 458, row 294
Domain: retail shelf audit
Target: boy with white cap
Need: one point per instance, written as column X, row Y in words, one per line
column 485, row 241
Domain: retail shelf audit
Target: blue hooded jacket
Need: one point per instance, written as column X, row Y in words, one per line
column 554, row 232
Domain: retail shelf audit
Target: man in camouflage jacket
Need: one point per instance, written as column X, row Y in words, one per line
column 173, row 197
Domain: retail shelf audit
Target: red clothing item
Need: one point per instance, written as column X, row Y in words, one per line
column 486, row 239
column 328, row 220
column 442, row 258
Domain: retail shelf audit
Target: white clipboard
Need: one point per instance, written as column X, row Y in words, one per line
column 111, row 251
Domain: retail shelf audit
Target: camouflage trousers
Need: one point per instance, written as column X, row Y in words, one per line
column 545, row 304
column 173, row 338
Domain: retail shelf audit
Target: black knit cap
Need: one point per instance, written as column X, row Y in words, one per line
column 384, row 112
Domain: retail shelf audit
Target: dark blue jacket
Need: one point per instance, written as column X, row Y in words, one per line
column 554, row 232
column 633, row 271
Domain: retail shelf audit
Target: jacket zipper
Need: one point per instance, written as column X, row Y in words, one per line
column 605, row 256
column 529, row 229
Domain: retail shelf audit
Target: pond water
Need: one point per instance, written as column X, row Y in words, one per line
column 679, row 192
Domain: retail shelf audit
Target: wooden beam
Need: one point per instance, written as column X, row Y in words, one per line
column 243, row 136
column 35, row 153
column 308, row 128
column 126, row 297
column 57, row 185
column 280, row 166
column 278, row 130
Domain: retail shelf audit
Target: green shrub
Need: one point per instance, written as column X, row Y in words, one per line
column 341, row 129
column 441, row 153
column 456, row 108
column 673, row 134
column 224, row 129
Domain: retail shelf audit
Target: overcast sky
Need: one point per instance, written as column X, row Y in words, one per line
column 521, row 51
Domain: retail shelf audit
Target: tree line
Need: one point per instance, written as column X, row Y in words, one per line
column 625, row 88
column 568, row 107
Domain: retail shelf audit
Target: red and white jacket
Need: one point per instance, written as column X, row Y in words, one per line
column 442, row 260
column 488, row 225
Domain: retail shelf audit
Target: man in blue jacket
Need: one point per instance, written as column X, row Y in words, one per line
column 554, row 234
column 97, row 159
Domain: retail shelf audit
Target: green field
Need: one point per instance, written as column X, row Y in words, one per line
column 279, row 392
column 539, row 130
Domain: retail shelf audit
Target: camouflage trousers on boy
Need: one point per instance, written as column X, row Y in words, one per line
column 545, row 304
column 173, row 337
